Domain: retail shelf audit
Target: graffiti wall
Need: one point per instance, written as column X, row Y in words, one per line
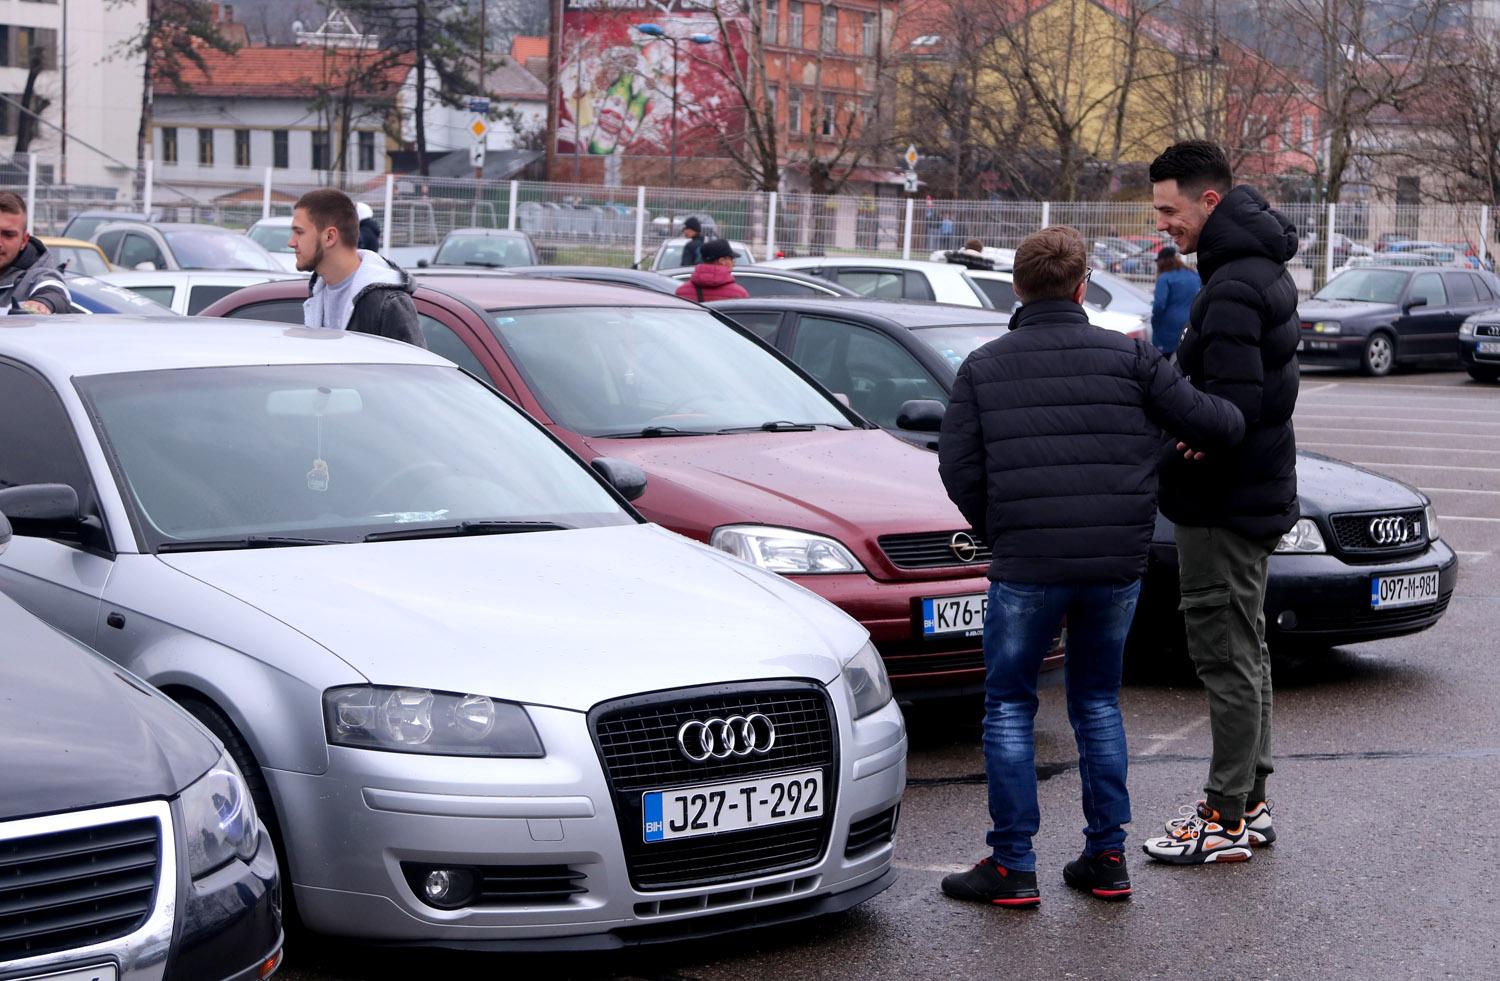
column 615, row 83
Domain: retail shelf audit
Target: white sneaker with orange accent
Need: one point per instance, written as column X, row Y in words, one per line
column 1200, row 839
column 1257, row 818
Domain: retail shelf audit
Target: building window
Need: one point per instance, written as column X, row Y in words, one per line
column 771, row 99
column 871, row 36
column 830, row 30
column 794, row 24
column 772, row 23
column 17, row 43
column 828, row 118
column 1307, row 131
column 10, row 115
column 794, row 111
column 205, row 148
column 169, row 144
column 279, row 149
column 366, row 150
column 1286, row 134
column 866, row 112
column 320, row 157
column 242, row 148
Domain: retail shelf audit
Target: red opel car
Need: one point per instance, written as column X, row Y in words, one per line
column 742, row 449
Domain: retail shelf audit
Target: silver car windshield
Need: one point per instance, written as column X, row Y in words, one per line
column 272, row 238
column 483, row 250
column 1366, row 285
column 331, row 452
column 646, row 371
column 218, row 250
column 958, row 341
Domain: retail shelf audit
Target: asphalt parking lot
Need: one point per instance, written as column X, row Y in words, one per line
column 1387, row 786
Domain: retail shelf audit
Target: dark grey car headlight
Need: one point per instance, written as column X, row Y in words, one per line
column 219, row 819
column 435, row 723
column 869, row 685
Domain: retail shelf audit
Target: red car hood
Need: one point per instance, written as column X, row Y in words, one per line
column 850, row 485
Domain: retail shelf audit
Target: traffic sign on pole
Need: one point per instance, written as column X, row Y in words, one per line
column 478, row 128
column 911, row 157
column 476, row 155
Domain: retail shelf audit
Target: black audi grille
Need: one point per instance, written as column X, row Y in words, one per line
column 871, row 832
column 74, row 888
column 1487, row 330
column 637, row 743
column 929, row 550
column 1351, row 532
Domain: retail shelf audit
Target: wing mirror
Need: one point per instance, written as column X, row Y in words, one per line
column 423, row 263
column 146, row 266
column 4, row 533
column 42, row 511
column 1416, row 301
column 921, row 415
column 622, row 475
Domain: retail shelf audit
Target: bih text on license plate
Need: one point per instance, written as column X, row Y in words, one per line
column 954, row 615
column 716, row 808
column 1408, row 590
column 1489, row 347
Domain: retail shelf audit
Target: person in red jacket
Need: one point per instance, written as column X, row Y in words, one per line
column 713, row 278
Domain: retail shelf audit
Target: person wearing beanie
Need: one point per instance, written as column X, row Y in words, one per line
column 713, row 277
column 692, row 230
column 369, row 229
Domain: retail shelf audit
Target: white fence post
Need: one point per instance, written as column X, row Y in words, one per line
column 1328, row 243
column 390, row 212
column 265, row 196
column 640, row 223
column 30, row 191
column 146, row 191
column 906, row 235
column 771, row 226
column 1046, row 214
column 515, row 193
column 1484, row 234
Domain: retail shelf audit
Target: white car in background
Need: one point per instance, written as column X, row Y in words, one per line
column 187, row 291
column 999, row 286
column 892, row 279
column 669, row 254
column 272, row 234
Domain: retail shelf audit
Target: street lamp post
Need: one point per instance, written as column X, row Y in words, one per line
column 657, row 33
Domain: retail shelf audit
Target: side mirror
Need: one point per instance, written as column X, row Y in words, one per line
column 4, row 533
column 42, row 511
column 622, row 475
column 422, row 263
column 1416, row 301
column 921, row 415
column 147, row 266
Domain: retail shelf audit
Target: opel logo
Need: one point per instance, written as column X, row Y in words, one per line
column 964, row 546
column 719, row 739
column 1390, row 531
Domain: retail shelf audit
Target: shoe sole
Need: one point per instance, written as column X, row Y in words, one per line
column 1235, row 854
column 1018, row 903
column 1110, row 894
column 1260, row 839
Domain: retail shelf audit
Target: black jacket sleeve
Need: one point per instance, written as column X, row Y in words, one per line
column 1231, row 342
column 1203, row 421
column 691, row 251
column 388, row 313
column 961, row 461
column 53, row 295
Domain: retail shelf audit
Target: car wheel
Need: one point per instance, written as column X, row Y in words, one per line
column 1481, row 373
column 1379, row 356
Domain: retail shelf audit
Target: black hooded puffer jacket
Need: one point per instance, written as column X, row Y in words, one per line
column 1241, row 344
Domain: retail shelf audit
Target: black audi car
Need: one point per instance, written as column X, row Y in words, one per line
column 129, row 846
column 1375, row 318
column 1364, row 562
column 1479, row 345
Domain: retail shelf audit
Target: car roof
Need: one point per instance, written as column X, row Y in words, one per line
column 275, row 220
column 494, row 232
column 170, row 226
column 905, row 313
column 223, row 277
column 80, row 345
column 68, row 243
column 517, row 292
column 924, row 265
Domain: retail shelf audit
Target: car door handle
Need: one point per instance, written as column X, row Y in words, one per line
column 116, row 620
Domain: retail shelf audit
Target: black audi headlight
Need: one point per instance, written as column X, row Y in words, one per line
column 435, row 723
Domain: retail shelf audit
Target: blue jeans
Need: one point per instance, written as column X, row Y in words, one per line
column 1019, row 625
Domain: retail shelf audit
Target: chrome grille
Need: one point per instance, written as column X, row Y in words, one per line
column 637, row 743
column 68, row 889
column 930, row 550
column 1396, row 531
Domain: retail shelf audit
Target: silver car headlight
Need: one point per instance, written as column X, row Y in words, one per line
column 220, row 819
column 434, row 723
column 1468, row 328
column 784, row 550
column 1303, row 538
column 1430, row 513
column 868, row 683
column 1327, row 327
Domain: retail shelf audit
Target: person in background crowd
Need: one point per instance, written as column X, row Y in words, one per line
column 1050, row 449
column 1176, row 285
column 29, row 279
column 692, row 249
column 369, row 229
column 713, row 278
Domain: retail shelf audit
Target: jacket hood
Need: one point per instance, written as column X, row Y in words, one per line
column 375, row 272
column 34, row 254
column 709, row 275
column 566, row 618
column 1244, row 226
column 81, row 732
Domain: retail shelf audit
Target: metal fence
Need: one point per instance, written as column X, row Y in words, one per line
column 590, row 224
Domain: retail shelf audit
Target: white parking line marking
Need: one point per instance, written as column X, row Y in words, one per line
column 1423, row 466
column 1396, row 447
column 1460, row 517
column 1405, row 406
column 909, row 867
column 1301, row 418
column 1321, row 388
column 1458, row 490
column 1384, row 432
column 1362, row 385
column 1176, row 735
column 1470, row 555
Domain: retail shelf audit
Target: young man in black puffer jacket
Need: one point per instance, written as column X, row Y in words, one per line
column 1049, row 448
column 1231, row 509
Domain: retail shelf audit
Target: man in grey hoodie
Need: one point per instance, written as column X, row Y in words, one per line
column 350, row 288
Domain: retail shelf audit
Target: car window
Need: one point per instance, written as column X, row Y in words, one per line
column 957, row 341
column 873, row 282
column 1429, row 285
column 213, row 249
column 1001, row 293
column 110, row 243
column 762, row 286
column 1482, row 289
column 875, row 372
column 137, row 249
column 765, row 324
column 483, row 250
column 156, row 294
column 203, row 296
column 83, row 228
column 1365, row 286
column 1460, row 289
column 442, row 341
column 272, row 238
column 288, row 311
column 917, row 287
column 84, row 261
column 670, row 257
column 40, row 446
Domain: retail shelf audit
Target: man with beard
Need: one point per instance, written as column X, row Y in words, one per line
column 351, row 288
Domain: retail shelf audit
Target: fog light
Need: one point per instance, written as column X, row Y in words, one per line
column 270, row 965
column 1286, row 620
column 448, row 888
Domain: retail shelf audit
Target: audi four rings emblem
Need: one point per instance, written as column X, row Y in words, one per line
column 1390, row 531
column 719, row 739
column 964, row 546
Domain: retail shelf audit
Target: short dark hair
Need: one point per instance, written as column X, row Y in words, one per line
column 1195, row 165
column 329, row 207
column 12, row 203
column 1050, row 264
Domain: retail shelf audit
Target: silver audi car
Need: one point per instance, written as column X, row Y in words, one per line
column 476, row 698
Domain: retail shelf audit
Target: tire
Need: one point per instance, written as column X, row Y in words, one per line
column 1379, row 356
column 1483, row 374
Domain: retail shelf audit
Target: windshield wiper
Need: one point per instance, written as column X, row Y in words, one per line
column 247, row 541
column 464, row 528
column 487, row 265
column 775, row 426
column 651, row 432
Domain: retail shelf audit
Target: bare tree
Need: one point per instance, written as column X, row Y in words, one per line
column 1459, row 118
column 33, row 104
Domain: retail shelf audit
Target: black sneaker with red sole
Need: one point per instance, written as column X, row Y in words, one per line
column 992, row 883
column 1103, row 875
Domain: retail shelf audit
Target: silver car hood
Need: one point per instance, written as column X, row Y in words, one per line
column 566, row 619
